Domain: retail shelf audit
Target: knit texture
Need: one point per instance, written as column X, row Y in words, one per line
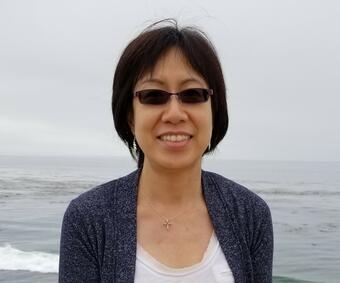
column 99, row 231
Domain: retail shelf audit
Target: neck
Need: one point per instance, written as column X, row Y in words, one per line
column 171, row 187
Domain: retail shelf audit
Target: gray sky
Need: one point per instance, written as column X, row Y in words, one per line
column 280, row 59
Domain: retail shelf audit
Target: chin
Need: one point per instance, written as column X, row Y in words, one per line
column 177, row 163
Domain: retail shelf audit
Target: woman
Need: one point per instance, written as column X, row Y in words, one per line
column 168, row 221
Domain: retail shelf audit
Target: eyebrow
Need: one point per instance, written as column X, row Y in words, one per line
column 159, row 81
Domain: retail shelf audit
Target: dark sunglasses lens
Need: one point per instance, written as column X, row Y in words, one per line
column 194, row 95
column 153, row 97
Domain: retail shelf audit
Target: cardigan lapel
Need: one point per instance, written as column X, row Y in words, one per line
column 224, row 227
column 126, row 228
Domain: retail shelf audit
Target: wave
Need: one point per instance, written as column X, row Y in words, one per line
column 34, row 261
column 14, row 259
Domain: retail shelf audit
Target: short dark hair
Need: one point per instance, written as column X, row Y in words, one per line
column 142, row 54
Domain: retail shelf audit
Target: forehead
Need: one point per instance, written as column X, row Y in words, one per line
column 172, row 66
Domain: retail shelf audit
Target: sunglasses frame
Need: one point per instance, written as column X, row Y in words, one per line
column 208, row 91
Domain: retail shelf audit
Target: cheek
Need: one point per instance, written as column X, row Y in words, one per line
column 207, row 119
column 143, row 121
column 208, row 122
column 131, row 122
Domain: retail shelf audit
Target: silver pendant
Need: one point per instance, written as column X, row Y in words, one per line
column 167, row 224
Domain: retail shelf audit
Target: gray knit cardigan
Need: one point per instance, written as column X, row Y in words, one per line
column 98, row 239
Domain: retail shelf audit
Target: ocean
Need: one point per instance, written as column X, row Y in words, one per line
column 304, row 198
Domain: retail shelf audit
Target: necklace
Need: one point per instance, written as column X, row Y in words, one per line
column 168, row 222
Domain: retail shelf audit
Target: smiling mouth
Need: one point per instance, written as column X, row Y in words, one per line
column 175, row 138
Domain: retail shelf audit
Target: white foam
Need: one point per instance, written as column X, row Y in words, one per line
column 14, row 259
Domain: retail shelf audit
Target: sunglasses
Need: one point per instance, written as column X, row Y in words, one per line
column 158, row 97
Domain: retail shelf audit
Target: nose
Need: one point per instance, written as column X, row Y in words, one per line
column 174, row 112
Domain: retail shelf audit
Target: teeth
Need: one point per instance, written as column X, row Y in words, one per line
column 175, row 138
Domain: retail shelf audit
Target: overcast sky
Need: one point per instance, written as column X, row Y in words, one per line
column 281, row 62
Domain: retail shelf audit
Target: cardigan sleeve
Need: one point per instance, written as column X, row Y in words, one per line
column 78, row 261
column 262, row 246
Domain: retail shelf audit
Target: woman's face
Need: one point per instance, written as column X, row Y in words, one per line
column 173, row 135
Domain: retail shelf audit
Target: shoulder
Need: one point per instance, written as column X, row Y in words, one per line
column 101, row 199
column 236, row 196
column 248, row 211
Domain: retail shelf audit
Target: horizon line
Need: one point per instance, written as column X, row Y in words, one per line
column 209, row 157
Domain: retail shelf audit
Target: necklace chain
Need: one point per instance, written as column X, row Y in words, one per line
column 167, row 222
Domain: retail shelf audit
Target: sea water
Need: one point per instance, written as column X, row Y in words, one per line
column 304, row 198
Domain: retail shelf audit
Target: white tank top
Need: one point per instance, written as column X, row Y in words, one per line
column 213, row 268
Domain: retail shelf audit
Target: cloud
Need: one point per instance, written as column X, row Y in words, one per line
column 39, row 138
